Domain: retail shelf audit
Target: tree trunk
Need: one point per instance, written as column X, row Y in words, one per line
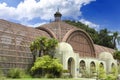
column 34, row 58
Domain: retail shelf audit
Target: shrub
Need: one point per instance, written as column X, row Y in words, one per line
column 16, row 73
column 49, row 75
column 2, row 77
column 113, row 75
column 65, row 74
column 101, row 73
column 110, row 77
column 65, row 71
column 46, row 65
column 1, row 73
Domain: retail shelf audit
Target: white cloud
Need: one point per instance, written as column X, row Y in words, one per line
column 37, row 24
column 44, row 9
column 90, row 24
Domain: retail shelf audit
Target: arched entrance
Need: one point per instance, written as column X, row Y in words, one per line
column 71, row 66
column 82, row 69
column 92, row 69
column 101, row 65
column 113, row 69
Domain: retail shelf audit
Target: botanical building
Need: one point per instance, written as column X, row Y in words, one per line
column 76, row 49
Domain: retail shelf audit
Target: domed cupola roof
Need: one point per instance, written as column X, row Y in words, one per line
column 57, row 16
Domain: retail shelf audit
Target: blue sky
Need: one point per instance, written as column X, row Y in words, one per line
column 106, row 13
column 97, row 14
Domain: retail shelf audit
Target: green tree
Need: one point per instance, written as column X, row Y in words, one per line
column 116, row 38
column 43, row 46
column 105, row 39
column 116, row 55
column 34, row 47
column 46, row 65
column 51, row 47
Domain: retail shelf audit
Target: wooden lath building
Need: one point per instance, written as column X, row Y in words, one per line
column 15, row 40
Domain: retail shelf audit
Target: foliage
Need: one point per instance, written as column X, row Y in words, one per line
column 119, row 69
column 85, row 74
column 114, row 73
column 101, row 72
column 110, row 77
column 116, row 38
column 117, row 55
column 47, row 65
column 65, row 71
column 66, row 74
column 105, row 39
column 16, row 73
column 43, row 46
column 2, row 77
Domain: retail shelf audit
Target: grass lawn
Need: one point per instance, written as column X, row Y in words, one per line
column 40, row 79
column 50, row 79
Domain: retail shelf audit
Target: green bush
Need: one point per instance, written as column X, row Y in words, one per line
column 16, row 73
column 101, row 73
column 1, row 73
column 49, row 75
column 65, row 71
column 110, row 77
column 65, row 74
column 113, row 74
column 2, row 77
column 46, row 65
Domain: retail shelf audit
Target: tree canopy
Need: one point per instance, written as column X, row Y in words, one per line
column 43, row 46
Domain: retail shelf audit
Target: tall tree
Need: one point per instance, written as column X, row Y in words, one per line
column 105, row 39
column 43, row 46
column 116, row 39
column 117, row 55
column 34, row 47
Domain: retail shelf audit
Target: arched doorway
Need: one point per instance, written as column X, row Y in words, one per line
column 101, row 65
column 71, row 66
column 101, row 71
column 92, row 69
column 113, row 69
column 82, row 69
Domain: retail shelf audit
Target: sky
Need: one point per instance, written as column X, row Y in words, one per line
column 98, row 14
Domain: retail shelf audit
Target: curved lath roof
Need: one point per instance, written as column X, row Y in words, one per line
column 63, row 31
column 15, row 41
column 99, row 49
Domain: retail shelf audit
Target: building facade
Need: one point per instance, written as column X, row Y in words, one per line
column 76, row 49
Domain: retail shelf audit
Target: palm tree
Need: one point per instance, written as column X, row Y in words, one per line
column 116, row 39
column 51, row 48
column 43, row 46
column 105, row 38
column 34, row 47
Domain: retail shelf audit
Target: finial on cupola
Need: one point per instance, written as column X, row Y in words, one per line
column 57, row 15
